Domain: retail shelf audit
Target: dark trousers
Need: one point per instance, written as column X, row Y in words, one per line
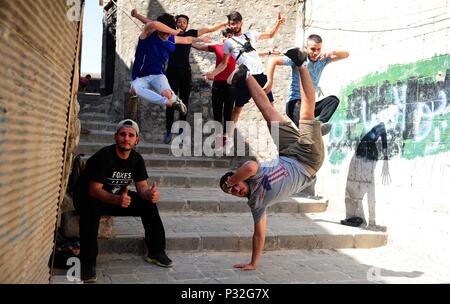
column 222, row 102
column 325, row 108
column 180, row 80
column 91, row 209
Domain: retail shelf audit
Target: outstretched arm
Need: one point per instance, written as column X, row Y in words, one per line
column 273, row 51
column 211, row 29
column 135, row 14
column 275, row 29
column 273, row 62
column 190, row 40
column 151, row 26
column 334, row 55
column 200, row 47
column 259, row 238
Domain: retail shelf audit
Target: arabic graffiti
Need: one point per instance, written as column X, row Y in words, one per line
column 411, row 100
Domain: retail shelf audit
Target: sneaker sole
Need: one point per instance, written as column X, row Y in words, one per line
column 154, row 261
column 90, row 280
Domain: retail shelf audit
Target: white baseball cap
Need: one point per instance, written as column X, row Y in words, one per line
column 128, row 123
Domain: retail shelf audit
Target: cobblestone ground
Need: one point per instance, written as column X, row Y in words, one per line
column 346, row 266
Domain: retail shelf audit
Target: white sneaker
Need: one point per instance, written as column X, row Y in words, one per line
column 178, row 105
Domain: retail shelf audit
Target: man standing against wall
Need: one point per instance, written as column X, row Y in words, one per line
column 317, row 60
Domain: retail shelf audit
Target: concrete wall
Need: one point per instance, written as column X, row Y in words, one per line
column 398, row 73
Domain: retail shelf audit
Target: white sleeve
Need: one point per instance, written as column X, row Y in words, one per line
column 227, row 47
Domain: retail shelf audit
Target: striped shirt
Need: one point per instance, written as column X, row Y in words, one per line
column 275, row 180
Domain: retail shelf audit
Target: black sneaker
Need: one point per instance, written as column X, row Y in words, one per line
column 296, row 55
column 326, row 128
column 167, row 137
column 238, row 75
column 353, row 221
column 160, row 259
column 88, row 275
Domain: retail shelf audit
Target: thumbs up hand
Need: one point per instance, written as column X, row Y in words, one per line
column 153, row 194
column 126, row 200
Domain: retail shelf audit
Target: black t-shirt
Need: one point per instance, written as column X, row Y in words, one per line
column 180, row 57
column 114, row 173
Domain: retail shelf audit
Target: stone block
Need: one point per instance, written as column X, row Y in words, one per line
column 122, row 245
column 233, row 206
column 183, row 241
column 70, row 226
column 297, row 241
column 220, row 241
column 204, row 205
column 370, row 240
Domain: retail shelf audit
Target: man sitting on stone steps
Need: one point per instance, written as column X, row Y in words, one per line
column 301, row 155
column 102, row 189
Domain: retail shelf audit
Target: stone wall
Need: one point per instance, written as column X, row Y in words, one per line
column 257, row 15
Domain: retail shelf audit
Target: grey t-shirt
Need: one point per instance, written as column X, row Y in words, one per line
column 274, row 181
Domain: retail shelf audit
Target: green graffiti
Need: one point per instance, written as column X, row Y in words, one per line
column 412, row 99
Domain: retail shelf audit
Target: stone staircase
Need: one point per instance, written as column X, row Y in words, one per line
column 198, row 216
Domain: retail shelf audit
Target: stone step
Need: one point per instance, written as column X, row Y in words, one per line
column 233, row 232
column 85, row 98
column 107, row 135
column 89, row 148
column 88, row 116
column 103, row 132
column 88, row 145
column 93, row 109
column 98, row 136
column 186, row 177
column 99, row 125
column 214, row 200
column 210, row 200
column 167, row 161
